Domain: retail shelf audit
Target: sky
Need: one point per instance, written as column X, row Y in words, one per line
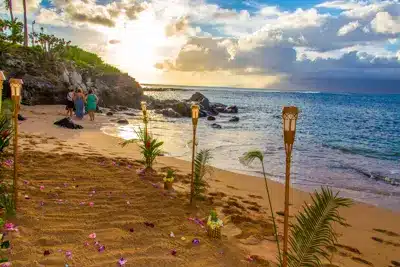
column 339, row 45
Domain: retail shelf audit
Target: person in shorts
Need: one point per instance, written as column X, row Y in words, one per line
column 70, row 102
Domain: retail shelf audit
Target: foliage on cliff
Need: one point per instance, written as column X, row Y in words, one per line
column 48, row 47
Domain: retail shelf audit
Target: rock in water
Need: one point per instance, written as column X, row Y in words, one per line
column 234, row 119
column 171, row 113
column 201, row 99
column 21, row 118
column 231, row 109
column 123, row 121
column 109, row 113
column 68, row 123
column 216, row 126
column 211, row 118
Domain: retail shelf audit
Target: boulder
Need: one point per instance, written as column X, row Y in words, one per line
column 68, row 123
column 171, row 113
column 203, row 114
column 211, row 118
column 123, row 121
column 183, row 109
column 234, row 119
column 216, row 126
column 109, row 113
column 231, row 109
column 201, row 99
column 21, row 118
column 218, row 107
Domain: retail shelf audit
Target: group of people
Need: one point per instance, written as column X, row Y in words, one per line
column 80, row 102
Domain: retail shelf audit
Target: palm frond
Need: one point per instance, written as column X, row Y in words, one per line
column 313, row 229
column 201, row 168
column 250, row 156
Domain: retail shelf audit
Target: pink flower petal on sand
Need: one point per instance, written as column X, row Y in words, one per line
column 122, row 262
column 6, row 264
column 92, row 235
column 68, row 254
column 101, row 249
column 91, row 204
column 82, row 203
column 86, row 244
column 9, row 226
column 42, row 187
column 26, row 182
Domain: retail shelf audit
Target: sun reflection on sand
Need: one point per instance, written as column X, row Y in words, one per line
column 125, row 132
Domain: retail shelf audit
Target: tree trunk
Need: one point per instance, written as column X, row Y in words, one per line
column 11, row 10
column 25, row 25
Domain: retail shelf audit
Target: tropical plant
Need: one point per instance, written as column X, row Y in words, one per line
column 201, row 168
column 150, row 147
column 313, row 230
column 7, row 201
column 247, row 159
column 5, row 132
column 170, row 176
column 11, row 31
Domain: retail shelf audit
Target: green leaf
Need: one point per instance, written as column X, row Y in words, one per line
column 313, row 229
column 3, row 260
column 5, row 244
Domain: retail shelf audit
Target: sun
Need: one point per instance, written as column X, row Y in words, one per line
column 134, row 46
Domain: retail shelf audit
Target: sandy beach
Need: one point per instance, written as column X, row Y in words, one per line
column 77, row 167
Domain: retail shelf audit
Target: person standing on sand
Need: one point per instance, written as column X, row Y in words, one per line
column 70, row 102
column 79, row 100
column 91, row 101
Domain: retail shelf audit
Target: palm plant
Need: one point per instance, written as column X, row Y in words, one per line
column 5, row 132
column 313, row 230
column 201, row 168
column 150, row 147
column 247, row 159
column 7, row 202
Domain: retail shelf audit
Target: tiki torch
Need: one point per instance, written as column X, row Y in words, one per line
column 16, row 86
column 195, row 119
column 289, row 115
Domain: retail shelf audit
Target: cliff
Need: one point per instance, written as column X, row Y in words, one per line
column 47, row 78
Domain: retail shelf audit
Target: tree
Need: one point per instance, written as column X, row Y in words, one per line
column 16, row 31
column 25, row 24
column 8, row 4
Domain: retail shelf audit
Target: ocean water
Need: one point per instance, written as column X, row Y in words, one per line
column 350, row 142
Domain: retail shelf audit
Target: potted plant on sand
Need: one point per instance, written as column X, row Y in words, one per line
column 169, row 179
column 214, row 225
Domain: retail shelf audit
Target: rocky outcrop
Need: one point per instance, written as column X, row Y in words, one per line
column 48, row 81
column 182, row 108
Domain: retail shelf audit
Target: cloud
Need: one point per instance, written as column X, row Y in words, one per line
column 348, row 28
column 385, row 23
column 342, row 5
column 177, row 27
column 76, row 12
